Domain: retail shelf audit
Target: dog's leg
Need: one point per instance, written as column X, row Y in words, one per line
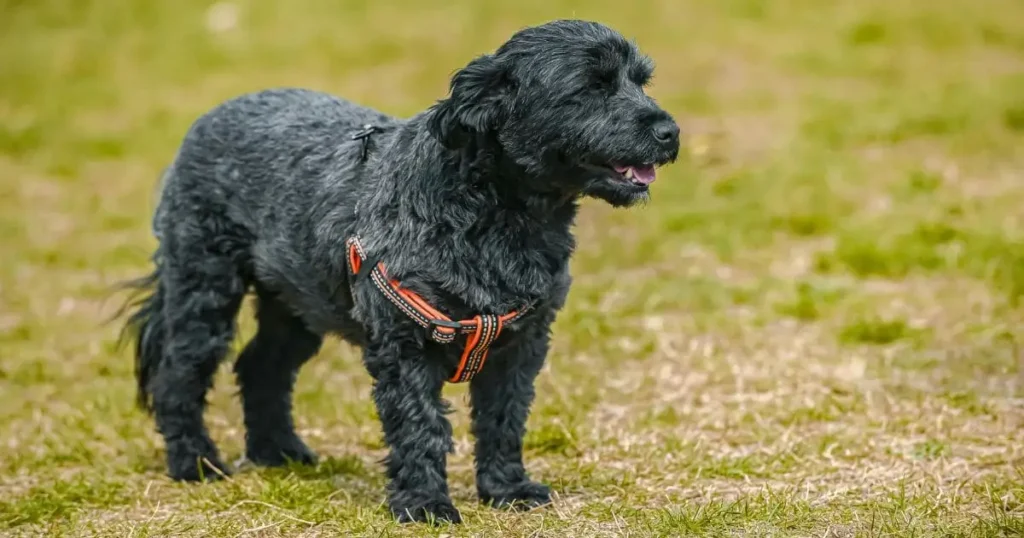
column 203, row 296
column 501, row 395
column 266, row 372
column 407, row 393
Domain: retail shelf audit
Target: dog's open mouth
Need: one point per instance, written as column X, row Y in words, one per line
column 637, row 176
column 640, row 175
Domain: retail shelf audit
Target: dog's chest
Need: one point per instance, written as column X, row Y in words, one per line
column 498, row 274
column 504, row 282
column 525, row 287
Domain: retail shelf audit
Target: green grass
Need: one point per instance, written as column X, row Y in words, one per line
column 814, row 329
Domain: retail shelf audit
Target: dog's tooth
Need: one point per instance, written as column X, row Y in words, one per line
column 629, row 173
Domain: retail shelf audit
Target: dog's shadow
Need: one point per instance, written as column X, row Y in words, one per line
column 348, row 470
column 345, row 479
column 332, row 468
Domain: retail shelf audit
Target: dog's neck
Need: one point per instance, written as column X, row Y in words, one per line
column 413, row 163
column 428, row 209
column 483, row 166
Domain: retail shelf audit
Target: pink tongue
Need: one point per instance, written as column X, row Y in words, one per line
column 641, row 174
column 644, row 174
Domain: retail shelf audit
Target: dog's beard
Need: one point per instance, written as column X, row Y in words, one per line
column 622, row 182
column 615, row 192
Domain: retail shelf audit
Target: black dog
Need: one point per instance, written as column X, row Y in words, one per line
column 346, row 221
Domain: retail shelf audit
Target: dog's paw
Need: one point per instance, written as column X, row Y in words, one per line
column 195, row 462
column 280, row 452
column 434, row 511
column 525, row 495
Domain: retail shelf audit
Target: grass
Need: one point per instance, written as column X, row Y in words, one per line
column 814, row 329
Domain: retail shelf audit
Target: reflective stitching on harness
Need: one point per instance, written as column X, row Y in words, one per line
column 442, row 338
column 483, row 330
column 490, row 327
column 397, row 301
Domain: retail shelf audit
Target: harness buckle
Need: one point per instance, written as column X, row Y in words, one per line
column 454, row 325
column 443, row 331
column 364, row 135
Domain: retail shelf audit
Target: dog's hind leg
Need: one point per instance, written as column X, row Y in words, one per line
column 266, row 372
column 202, row 288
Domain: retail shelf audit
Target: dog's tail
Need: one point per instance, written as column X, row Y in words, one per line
column 146, row 328
column 146, row 323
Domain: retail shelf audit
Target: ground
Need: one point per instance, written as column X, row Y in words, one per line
column 813, row 329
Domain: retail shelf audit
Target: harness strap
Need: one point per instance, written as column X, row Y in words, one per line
column 364, row 135
column 483, row 329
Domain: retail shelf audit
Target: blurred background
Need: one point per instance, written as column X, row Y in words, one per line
column 812, row 328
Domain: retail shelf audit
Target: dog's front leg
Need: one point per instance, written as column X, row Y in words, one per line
column 407, row 393
column 501, row 396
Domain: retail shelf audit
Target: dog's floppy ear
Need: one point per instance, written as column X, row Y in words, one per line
column 478, row 102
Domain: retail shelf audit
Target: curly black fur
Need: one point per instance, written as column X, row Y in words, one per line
column 469, row 203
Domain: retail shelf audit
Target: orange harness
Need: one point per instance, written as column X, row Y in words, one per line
column 482, row 329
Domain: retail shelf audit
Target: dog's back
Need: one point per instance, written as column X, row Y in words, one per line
column 251, row 155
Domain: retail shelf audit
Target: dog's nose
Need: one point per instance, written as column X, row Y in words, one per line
column 666, row 132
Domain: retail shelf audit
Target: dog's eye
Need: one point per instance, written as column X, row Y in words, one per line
column 603, row 84
column 642, row 81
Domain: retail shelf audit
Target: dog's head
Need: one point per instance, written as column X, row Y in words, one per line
column 565, row 101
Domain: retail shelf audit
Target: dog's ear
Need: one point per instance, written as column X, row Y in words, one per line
column 478, row 102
